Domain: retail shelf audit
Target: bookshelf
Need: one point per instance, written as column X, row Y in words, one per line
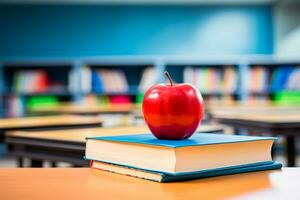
column 224, row 78
column 1, row 91
column 32, row 83
column 216, row 81
column 118, row 80
column 277, row 80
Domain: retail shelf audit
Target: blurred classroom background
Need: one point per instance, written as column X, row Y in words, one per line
column 100, row 56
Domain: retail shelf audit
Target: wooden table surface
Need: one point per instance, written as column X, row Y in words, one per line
column 85, row 183
column 280, row 117
column 265, row 113
column 79, row 135
column 48, row 121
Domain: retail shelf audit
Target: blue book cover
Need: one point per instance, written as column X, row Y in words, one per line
column 198, row 139
column 276, row 79
column 97, row 85
column 280, row 78
column 285, row 76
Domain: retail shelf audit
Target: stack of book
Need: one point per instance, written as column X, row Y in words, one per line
column 212, row 80
column 203, row 155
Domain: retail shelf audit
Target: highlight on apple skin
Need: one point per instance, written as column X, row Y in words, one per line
column 173, row 111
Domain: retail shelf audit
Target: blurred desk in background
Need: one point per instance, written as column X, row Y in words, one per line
column 84, row 109
column 49, row 122
column 68, row 145
column 250, row 107
column 84, row 183
column 275, row 121
column 254, row 110
column 112, row 114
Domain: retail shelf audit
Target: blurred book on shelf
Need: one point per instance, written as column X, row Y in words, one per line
column 35, row 81
column 86, row 80
column 279, row 84
column 139, row 99
column 109, row 81
column 91, row 99
column 35, row 102
column 294, row 80
column 212, row 80
column 15, row 106
column 30, row 81
column 287, row 98
column 230, row 80
column 258, row 80
column 264, row 80
column 18, row 106
column 285, row 78
column 113, row 85
column 73, row 82
column 105, row 100
column 120, row 99
column 149, row 78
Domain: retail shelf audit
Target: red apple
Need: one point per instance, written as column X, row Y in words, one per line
column 173, row 111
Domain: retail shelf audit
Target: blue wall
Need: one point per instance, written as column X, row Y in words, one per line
column 73, row 30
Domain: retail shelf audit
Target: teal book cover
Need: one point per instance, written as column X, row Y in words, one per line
column 221, row 172
column 198, row 139
column 166, row 177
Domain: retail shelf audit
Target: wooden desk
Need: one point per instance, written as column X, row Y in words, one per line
column 275, row 122
column 68, row 145
column 84, row 183
column 84, row 109
column 48, row 122
column 248, row 109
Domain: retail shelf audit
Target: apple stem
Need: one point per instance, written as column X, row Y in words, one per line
column 169, row 77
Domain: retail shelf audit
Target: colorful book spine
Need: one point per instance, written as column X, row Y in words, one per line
column 212, row 80
column 15, row 106
column 285, row 78
column 31, row 81
column 149, row 78
column 109, row 81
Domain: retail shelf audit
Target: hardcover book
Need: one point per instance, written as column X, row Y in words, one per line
column 165, row 177
column 201, row 152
